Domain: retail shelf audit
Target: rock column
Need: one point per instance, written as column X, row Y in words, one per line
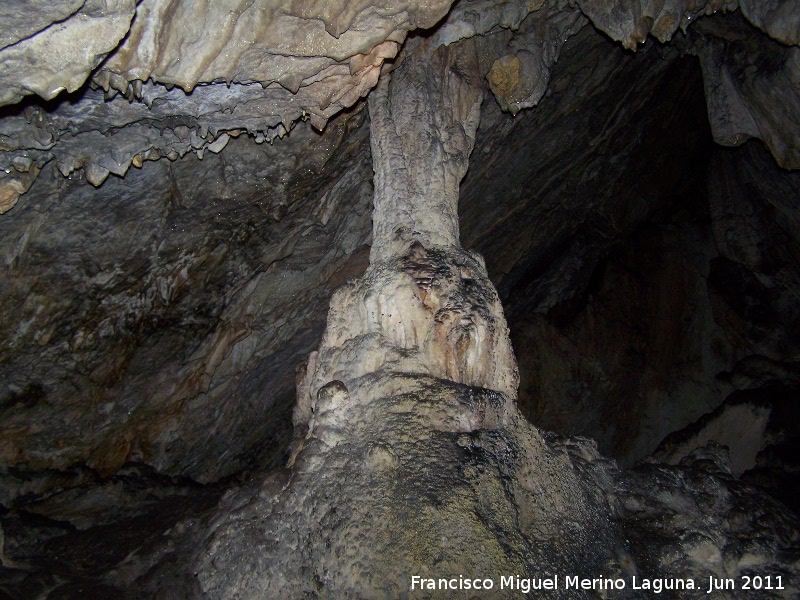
column 425, row 306
column 410, row 458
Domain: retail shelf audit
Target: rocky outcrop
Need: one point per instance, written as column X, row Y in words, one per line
column 738, row 426
column 254, row 68
column 612, row 280
column 407, row 475
column 254, row 78
column 741, row 96
column 53, row 341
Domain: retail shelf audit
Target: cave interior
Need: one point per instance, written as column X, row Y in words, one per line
column 172, row 237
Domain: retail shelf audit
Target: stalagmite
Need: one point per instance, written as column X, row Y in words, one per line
column 411, row 465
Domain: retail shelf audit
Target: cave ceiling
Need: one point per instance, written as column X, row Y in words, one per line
column 127, row 82
column 185, row 184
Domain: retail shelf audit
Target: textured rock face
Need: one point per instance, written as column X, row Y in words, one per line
column 158, row 319
column 407, row 475
column 428, row 312
column 406, row 465
column 609, row 278
column 424, row 306
column 593, row 316
column 414, row 375
column 259, row 67
column 188, row 42
column 738, row 93
column 141, row 308
column 47, row 48
column 250, row 67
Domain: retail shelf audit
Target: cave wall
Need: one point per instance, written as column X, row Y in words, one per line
column 153, row 327
column 645, row 271
column 160, row 318
column 595, row 237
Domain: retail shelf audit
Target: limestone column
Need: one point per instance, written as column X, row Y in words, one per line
column 425, row 305
column 410, row 457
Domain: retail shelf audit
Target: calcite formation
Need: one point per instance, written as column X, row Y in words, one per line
column 46, row 48
column 406, row 429
column 193, row 74
column 286, row 62
column 411, row 460
column 151, row 327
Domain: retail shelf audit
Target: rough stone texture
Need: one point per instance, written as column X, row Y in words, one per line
column 380, row 411
column 400, row 471
column 753, row 282
column 428, row 312
column 160, row 318
column 294, row 44
column 736, row 425
column 640, row 358
column 160, row 326
column 423, row 136
column 698, row 520
column 777, row 467
column 189, row 42
column 367, row 514
column 425, row 306
column 286, row 61
column 593, row 318
column 742, row 97
column 98, row 138
column 568, row 276
column 631, row 22
column 64, row 545
column 259, row 67
column 607, row 277
column 779, row 20
column 751, row 87
column 46, row 50
column 533, row 37
column 23, row 18
column 519, row 79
